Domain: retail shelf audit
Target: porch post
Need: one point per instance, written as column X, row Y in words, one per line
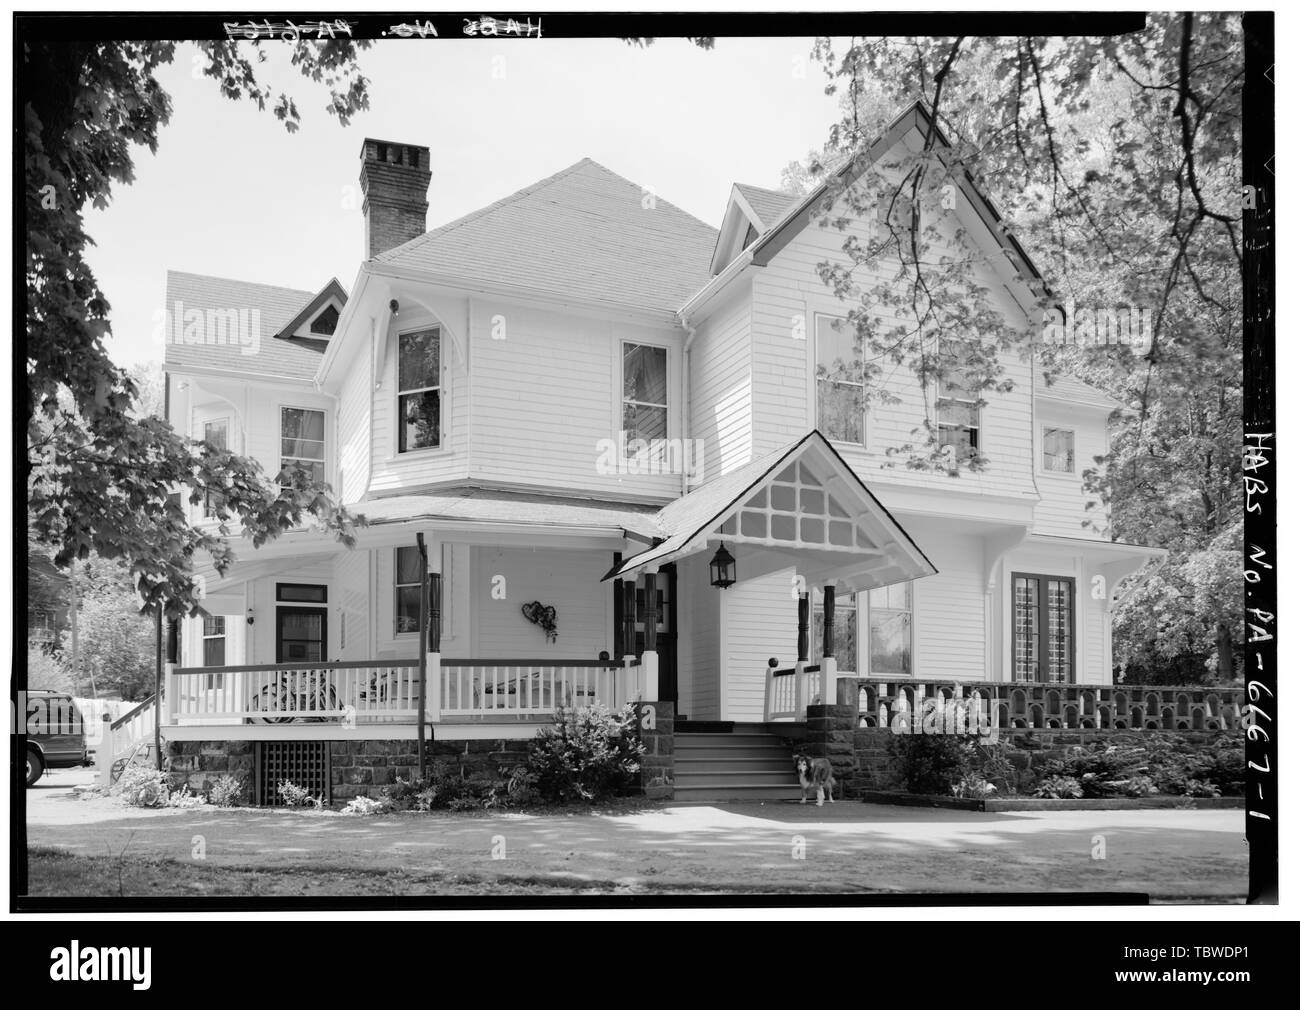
column 650, row 656
column 801, row 657
column 433, row 646
column 828, row 644
column 628, row 634
column 170, row 686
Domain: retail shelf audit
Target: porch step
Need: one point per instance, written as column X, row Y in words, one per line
column 739, row 762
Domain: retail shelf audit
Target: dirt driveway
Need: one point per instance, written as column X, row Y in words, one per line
column 1176, row 855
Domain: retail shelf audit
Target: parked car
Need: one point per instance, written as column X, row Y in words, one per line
column 56, row 733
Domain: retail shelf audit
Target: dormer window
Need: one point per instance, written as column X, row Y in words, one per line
column 323, row 325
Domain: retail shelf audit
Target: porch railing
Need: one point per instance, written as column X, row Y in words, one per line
column 514, row 687
column 1034, row 705
column 789, row 692
column 369, row 691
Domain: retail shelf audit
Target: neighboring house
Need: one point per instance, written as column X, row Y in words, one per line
column 48, row 611
column 479, row 386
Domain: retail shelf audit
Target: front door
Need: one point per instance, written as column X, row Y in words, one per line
column 300, row 634
column 666, row 631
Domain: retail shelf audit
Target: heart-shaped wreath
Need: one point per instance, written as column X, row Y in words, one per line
column 543, row 616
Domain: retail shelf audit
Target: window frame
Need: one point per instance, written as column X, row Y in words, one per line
column 1043, row 429
column 911, row 632
column 215, row 681
column 324, row 441
column 399, row 391
column 977, row 445
column 1042, row 656
column 621, row 401
column 397, row 588
column 208, row 511
column 817, row 381
column 844, row 604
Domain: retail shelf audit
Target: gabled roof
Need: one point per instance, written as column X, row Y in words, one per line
column 1072, row 390
column 256, row 354
column 768, row 204
column 796, row 217
column 709, row 512
column 585, row 234
column 333, row 291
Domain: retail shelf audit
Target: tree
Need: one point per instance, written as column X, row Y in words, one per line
column 118, row 646
column 100, row 472
column 1116, row 162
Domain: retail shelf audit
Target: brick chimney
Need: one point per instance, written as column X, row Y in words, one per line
column 395, row 182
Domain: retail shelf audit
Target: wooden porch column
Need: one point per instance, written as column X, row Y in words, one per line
column 828, row 644
column 650, row 656
column 433, row 647
column 801, row 658
column 171, row 689
column 627, row 647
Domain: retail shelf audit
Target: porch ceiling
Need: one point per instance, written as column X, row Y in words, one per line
column 801, row 506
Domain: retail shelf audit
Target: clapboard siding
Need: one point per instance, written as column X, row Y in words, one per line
column 762, row 622
column 355, row 429
column 1063, row 510
column 949, row 608
column 548, row 392
column 699, row 646
column 391, row 471
column 721, row 394
column 567, row 580
column 349, row 623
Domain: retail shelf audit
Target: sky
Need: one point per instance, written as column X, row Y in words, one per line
column 231, row 193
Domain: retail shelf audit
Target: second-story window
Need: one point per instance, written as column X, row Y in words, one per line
column 419, row 420
column 217, row 434
column 302, row 441
column 645, row 393
column 1058, row 450
column 841, row 391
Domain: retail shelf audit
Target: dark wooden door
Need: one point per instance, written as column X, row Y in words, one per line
column 300, row 634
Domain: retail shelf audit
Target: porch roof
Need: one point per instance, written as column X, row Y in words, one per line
column 480, row 505
column 711, row 513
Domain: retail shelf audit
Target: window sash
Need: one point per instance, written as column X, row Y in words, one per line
column 408, row 576
column 300, row 449
column 1043, row 628
column 214, row 649
column 890, row 638
column 841, row 386
column 845, row 641
column 1058, row 450
column 217, row 433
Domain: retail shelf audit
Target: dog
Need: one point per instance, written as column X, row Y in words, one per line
column 814, row 773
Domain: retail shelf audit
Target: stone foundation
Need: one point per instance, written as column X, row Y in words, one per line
column 655, row 720
column 198, row 763
column 1029, row 750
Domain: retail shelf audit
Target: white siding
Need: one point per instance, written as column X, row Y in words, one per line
column 720, row 387
column 350, row 630
column 1063, row 508
column 698, row 641
column 567, row 580
column 949, row 608
column 354, row 428
column 762, row 622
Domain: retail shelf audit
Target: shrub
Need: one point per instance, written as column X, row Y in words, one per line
column 364, row 806
column 1059, row 787
column 589, row 754
column 226, row 791
column 143, row 786
column 973, row 786
column 185, row 799
column 925, row 763
column 297, row 796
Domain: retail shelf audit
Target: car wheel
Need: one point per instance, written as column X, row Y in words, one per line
column 35, row 767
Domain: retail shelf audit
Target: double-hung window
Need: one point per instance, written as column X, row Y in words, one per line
column 841, row 390
column 1042, row 628
column 214, row 649
column 1058, row 450
column 419, row 390
column 844, row 638
column 302, row 441
column 408, row 573
column 645, row 396
column 889, row 631
column 217, row 434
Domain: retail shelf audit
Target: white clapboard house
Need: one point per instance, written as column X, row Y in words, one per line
column 592, row 407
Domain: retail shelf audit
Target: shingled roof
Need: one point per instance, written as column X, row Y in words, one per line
column 768, row 204
column 585, row 234
column 218, row 346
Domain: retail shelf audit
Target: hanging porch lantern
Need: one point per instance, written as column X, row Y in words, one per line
column 722, row 569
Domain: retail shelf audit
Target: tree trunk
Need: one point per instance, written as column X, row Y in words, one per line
column 1223, row 646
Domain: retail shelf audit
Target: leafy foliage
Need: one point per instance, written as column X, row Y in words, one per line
column 143, row 786
column 227, row 791
column 588, row 754
column 925, row 763
column 100, row 473
column 1059, row 787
